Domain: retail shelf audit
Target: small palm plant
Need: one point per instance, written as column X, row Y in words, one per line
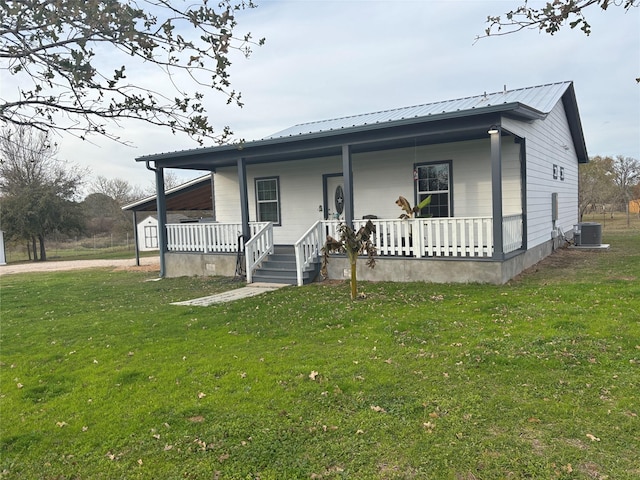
column 404, row 204
column 353, row 244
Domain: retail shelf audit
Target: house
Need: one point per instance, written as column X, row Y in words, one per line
column 501, row 169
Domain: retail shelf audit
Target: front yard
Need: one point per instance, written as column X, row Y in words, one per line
column 101, row 378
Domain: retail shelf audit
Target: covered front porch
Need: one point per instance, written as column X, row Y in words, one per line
column 416, row 239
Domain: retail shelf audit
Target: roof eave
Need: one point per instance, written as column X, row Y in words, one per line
column 247, row 149
column 575, row 124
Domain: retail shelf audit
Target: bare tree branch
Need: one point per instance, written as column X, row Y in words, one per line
column 73, row 59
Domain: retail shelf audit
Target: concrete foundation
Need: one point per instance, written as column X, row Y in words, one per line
column 199, row 264
column 390, row 269
column 441, row 270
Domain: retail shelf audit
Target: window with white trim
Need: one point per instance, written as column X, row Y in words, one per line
column 434, row 179
column 268, row 200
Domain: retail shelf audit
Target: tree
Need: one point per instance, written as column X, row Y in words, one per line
column 353, row 244
column 74, row 59
column 551, row 17
column 103, row 214
column 118, row 189
column 104, row 204
column 595, row 183
column 626, row 175
column 171, row 180
column 37, row 190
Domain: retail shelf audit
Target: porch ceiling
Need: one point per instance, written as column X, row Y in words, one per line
column 196, row 196
column 330, row 143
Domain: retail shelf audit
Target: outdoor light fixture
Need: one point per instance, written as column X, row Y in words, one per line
column 493, row 129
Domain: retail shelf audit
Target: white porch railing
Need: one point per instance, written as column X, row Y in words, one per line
column 308, row 248
column 434, row 237
column 511, row 233
column 257, row 248
column 207, row 237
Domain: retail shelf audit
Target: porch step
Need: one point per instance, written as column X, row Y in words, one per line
column 280, row 267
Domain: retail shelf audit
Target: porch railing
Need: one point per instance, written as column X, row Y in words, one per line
column 433, row 237
column 512, row 233
column 308, row 248
column 257, row 248
column 207, row 237
column 419, row 238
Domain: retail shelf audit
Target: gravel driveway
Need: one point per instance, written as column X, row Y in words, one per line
column 146, row 263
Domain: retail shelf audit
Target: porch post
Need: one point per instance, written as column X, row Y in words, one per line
column 496, row 192
column 161, row 207
column 244, row 199
column 135, row 238
column 347, row 176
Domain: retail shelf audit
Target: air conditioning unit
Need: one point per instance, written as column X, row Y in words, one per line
column 587, row 234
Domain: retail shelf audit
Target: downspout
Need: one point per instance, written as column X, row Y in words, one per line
column 244, row 198
column 162, row 215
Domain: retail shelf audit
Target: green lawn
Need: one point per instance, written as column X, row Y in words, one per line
column 77, row 252
column 538, row 379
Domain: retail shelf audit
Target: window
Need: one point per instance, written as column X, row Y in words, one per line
column 434, row 179
column 268, row 200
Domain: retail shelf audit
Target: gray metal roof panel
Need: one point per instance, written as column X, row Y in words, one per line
column 540, row 98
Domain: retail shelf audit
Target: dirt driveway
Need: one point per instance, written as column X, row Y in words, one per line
column 146, row 264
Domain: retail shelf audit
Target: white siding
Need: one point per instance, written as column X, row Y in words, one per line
column 227, row 196
column 548, row 142
column 300, row 194
column 378, row 179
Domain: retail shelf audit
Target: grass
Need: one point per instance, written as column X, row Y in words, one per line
column 101, row 378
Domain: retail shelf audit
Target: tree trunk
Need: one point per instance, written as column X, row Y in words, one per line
column 33, row 245
column 628, row 213
column 354, row 282
column 43, row 253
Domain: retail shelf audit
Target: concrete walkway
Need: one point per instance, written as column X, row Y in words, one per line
column 239, row 293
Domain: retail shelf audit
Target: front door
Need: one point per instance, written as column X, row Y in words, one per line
column 333, row 196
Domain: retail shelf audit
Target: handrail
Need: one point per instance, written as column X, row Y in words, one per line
column 307, row 249
column 257, row 248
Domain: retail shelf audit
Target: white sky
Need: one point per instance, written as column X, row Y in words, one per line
column 327, row 59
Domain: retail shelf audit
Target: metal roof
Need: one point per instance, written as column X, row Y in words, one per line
column 436, row 122
column 539, row 99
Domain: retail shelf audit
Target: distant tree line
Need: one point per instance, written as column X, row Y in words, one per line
column 608, row 184
column 40, row 195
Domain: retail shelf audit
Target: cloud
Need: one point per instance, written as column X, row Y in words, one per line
column 327, row 59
